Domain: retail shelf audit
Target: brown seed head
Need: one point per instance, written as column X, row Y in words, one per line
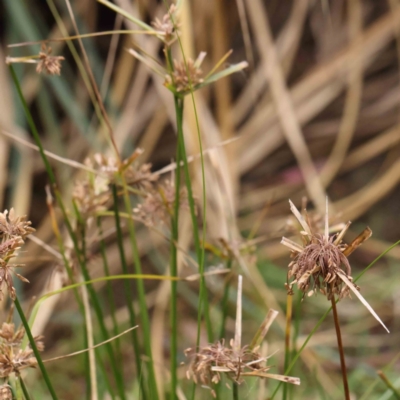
column 48, row 63
column 168, row 25
column 186, row 76
column 5, row 392
column 158, row 205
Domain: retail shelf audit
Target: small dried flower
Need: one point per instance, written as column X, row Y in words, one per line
column 321, row 264
column 13, row 231
column 12, row 358
column 235, row 361
column 139, row 177
column 48, row 63
column 5, row 392
column 10, row 336
column 187, row 76
column 11, row 225
column 158, row 205
column 168, row 25
column 93, row 194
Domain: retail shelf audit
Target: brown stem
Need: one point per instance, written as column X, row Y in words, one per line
column 340, row 347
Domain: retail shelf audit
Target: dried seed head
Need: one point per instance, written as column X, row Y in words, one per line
column 48, row 63
column 93, row 194
column 187, row 76
column 12, row 225
column 320, row 264
column 158, row 205
column 12, row 358
column 5, row 392
column 168, row 25
column 13, row 230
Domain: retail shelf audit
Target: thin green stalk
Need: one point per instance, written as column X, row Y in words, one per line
column 389, row 384
column 297, row 355
column 203, row 300
column 127, row 288
column 52, row 179
column 24, row 389
column 341, row 350
column 110, row 294
column 34, row 348
column 289, row 303
column 174, row 266
column 81, row 226
column 32, row 125
column 235, row 391
column 96, row 305
column 144, row 314
column 200, row 251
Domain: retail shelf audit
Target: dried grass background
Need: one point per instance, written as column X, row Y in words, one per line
column 316, row 113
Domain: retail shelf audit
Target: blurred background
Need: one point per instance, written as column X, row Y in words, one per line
column 315, row 114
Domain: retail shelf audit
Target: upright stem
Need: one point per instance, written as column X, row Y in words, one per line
column 235, row 391
column 35, row 350
column 174, row 256
column 24, row 389
column 128, row 290
column 289, row 308
column 144, row 313
column 340, row 347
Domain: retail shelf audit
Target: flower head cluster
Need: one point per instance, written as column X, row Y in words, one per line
column 48, row 63
column 168, row 25
column 187, row 75
column 12, row 358
column 5, row 392
column 158, row 205
column 321, row 264
column 216, row 358
column 235, row 361
column 93, row 194
column 13, row 231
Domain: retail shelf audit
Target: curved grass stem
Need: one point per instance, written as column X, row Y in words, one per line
column 144, row 314
column 289, row 307
column 35, row 349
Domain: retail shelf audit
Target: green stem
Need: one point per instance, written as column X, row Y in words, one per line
column 110, row 294
column 23, row 387
column 52, row 179
column 235, row 392
column 32, row 125
column 389, row 384
column 224, row 302
column 34, row 348
column 289, row 302
column 203, row 300
column 174, row 262
column 94, row 298
column 295, row 358
column 144, row 315
column 127, row 288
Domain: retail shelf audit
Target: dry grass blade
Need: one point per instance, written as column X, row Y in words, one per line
column 283, row 102
column 350, row 285
column 283, row 378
